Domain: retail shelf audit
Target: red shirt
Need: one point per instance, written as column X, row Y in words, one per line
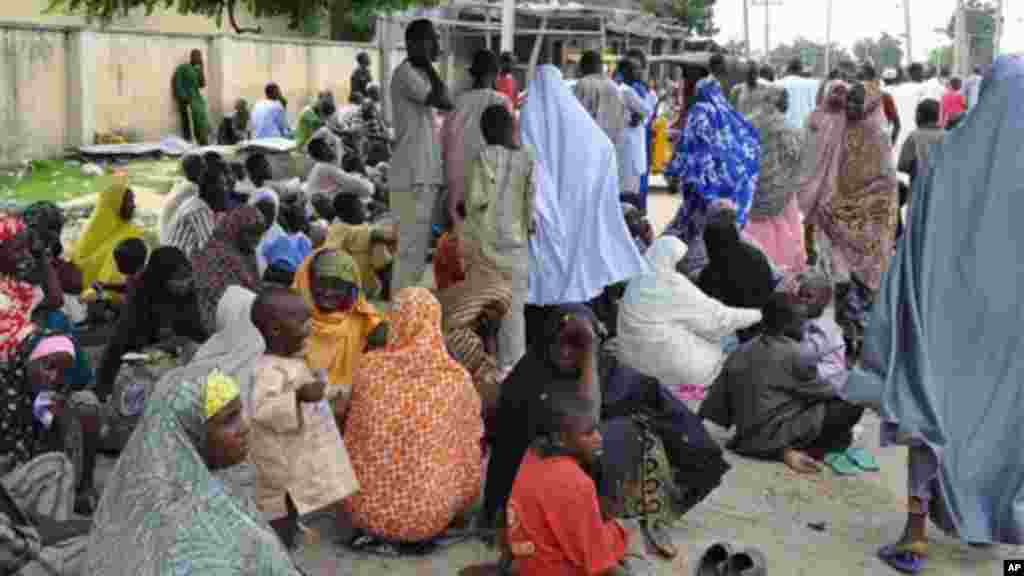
column 507, row 85
column 953, row 105
column 554, row 521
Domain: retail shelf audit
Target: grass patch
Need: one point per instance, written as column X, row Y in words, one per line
column 60, row 181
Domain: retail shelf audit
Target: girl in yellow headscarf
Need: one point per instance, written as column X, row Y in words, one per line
column 344, row 324
column 109, row 225
column 662, row 153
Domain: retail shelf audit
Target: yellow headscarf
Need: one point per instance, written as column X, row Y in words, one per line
column 94, row 251
column 219, row 390
column 337, row 339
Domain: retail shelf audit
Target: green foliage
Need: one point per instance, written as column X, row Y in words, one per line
column 697, row 16
column 811, row 53
column 941, row 56
column 885, row 52
column 298, row 12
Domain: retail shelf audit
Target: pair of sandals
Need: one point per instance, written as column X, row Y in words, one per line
column 851, row 462
column 905, row 557
column 721, row 560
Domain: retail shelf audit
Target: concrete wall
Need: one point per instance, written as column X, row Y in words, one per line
column 33, row 92
column 60, row 85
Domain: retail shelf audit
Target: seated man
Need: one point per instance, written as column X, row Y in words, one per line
column 37, row 533
column 234, row 129
column 771, row 392
column 326, row 178
column 553, row 520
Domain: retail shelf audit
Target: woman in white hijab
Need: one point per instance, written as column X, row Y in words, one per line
column 669, row 329
column 581, row 244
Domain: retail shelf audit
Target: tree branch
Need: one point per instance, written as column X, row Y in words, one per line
column 234, row 22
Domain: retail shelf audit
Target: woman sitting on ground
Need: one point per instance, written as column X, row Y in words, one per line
column 193, row 224
column 163, row 302
column 669, row 329
column 344, row 324
column 771, row 392
column 472, row 312
column 413, row 401
column 229, row 259
column 109, row 224
column 163, row 508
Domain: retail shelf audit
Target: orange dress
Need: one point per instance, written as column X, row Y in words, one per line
column 413, row 430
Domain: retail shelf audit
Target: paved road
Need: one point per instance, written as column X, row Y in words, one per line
column 761, row 504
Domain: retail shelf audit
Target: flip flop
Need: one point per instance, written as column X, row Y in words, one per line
column 862, row 459
column 840, row 464
column 715, row 560
column 903, row 558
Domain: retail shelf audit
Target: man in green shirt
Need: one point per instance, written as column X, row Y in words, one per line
column 187, row 82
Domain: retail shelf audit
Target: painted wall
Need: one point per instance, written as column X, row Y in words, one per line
column 59, row 85
column 33, row 93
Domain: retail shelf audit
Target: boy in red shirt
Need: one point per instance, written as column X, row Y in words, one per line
column 554, row 522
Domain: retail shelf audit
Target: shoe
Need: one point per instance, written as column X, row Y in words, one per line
column 715, row 560
column 749, row 562
column 659, row 539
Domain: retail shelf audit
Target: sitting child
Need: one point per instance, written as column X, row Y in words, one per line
column 103, row 297
column 554, row 522
column 289, row 249
column 327, row 178
column 293, row 428
column 822, row 340
column 639, row 227
column 370, row 246
column 771, row 392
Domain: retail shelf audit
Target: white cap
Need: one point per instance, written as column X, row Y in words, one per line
column 890, row 74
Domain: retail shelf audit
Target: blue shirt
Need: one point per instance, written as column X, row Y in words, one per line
column 269, row 120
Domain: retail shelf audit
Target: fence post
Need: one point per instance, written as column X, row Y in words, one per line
column 81, row 97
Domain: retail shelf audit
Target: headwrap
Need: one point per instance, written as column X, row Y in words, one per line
column 94, row 251
column 222, row 264
column 10, row 226
column 262, row 194
column 336, row 264
column 15, row 296
column 220, row 389
column 52, row 345
column 718, row 155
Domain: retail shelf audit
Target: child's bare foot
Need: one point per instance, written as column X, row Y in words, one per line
column 800, row 462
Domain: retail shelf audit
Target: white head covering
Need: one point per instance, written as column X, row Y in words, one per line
column 577, row 197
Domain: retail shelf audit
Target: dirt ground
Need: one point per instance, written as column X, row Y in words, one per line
column 760, row 504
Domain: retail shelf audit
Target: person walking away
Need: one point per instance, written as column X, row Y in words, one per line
column 908, row 96
column 648, row 93
column 600, row 98
column 802, row 92
column 300, row 459
column 188, row 81
column 965, row 472
column 500, row 220
column 869, row 76
column 972, row 87
column 462, row 137
column 743, row 96
column 416, row 172
column 269, row 116
column 917, row 149
column 632, row 151
column 361, row 77
column 506, row 82
column 953, row 102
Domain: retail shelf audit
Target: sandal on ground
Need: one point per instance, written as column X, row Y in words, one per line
column 715, row 560
column 840, row 464
column 749, row 562
column 659, row 539
column 862, row 459
column 908, row 558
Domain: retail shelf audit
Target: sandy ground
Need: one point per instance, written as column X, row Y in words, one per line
column 760, row 504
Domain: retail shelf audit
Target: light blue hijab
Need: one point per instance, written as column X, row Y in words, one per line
column 944, row 352
column 582, row 243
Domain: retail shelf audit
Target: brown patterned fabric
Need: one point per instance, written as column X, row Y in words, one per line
column 413, row 429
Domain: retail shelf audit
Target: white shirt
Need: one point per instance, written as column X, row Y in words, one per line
column 803, row 99
column 417, row 156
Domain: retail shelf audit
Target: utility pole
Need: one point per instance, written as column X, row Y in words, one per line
column 746, row 26
column 508, row 26
column 961, row 45
column 828, row 37
column 906, row 22
column 997, row 32
column 768, row 4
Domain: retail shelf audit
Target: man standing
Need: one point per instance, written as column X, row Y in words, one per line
column 600, row 97
column 416, row 177
column 187, row 81
column 802, row 92
column 361, row 77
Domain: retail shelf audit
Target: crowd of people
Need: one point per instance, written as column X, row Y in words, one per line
column 548, row 390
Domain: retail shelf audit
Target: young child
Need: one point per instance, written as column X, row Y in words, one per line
column 293, row 246
column 822, row 338
column 370, row 246
column 499, row 219
column 554, row 522
column 130, row 257
column 639, row 227
column 300, row 459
